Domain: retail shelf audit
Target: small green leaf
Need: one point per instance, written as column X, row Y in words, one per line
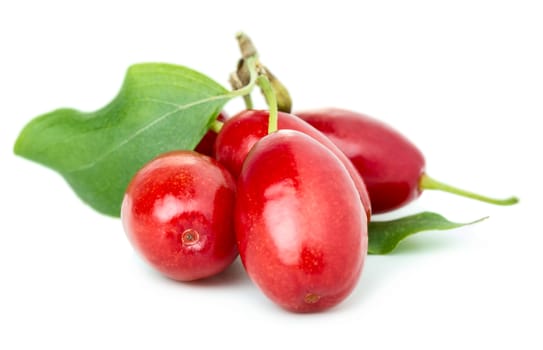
column 160, row 107
column 384, row 236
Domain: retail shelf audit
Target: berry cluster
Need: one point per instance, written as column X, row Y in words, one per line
column 295, row 202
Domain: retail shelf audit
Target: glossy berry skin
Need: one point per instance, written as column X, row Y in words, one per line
column 207, row 143
column 242, row 131
column 178, row 214
column 389, row 163
column 300, row 225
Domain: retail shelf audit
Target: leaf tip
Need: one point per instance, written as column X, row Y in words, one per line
column 18, row 146
column 477, row 221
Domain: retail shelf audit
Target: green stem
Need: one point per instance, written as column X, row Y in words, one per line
column 248, row 101
column 246, row 90
column 271, row 100
column 428, row 183
column 216, row 126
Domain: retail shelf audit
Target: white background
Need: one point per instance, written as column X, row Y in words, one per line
column 462, row 79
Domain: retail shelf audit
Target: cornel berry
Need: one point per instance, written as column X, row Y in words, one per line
column 392, row 167
column 300, row 225
column 178, row 213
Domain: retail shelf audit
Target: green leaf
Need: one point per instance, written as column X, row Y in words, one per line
column 384, row 236
column 160, row 107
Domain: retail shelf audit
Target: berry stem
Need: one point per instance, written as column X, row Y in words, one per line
column 250, row 72
column 428, row 183
column 236, row 84
column 264, row 83
column 248, row 102
column 216, row 126
column 246, row 90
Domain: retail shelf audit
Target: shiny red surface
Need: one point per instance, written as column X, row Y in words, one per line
column 300, row 226
column 207, row 143
column 178, row 214
column 242, row 131
column 389, row 163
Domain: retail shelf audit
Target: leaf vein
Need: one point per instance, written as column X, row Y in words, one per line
column 145, row 128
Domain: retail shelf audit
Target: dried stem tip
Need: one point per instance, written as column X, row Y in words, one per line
column 246, row 45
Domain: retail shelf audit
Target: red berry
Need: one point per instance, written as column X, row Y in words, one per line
column 178, row 213
column 392, row 167
column 300, row 225
column 241, row 132
column 389, row 163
